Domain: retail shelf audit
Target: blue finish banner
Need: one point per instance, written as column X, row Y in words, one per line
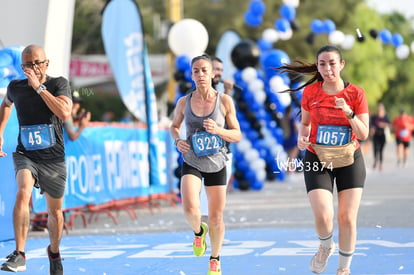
column 108, row 163
column 124, row 45
column 123, row 37
column 8, row 183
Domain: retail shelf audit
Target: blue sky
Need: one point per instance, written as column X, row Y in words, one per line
column 405, row 7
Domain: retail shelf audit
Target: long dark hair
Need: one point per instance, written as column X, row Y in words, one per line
column 300, row 67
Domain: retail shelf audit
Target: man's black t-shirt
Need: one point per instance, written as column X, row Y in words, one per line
column 32, row 110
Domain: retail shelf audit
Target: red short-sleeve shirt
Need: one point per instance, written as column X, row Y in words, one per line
column 321, row 106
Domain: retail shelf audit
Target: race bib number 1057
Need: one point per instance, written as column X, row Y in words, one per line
column 333, row 135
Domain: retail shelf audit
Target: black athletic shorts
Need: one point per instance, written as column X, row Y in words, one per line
column 319, row 177
column 406, row 144
column 50, row 177
column 210, row 179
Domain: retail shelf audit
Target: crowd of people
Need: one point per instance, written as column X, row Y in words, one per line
column 384, row 130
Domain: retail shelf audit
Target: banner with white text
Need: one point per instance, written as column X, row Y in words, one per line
column 108, row 163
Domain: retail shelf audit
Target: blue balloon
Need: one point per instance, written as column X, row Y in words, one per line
column 385, row 36
column 254, row 105
column 6, row 60
column 282, row 25
column 238, row 76
column 243, row 165
column 248, row 96
column 10, row 59
column 260, row 113
column 257, row 7
column 252, row 135
column 281, row 176
column 329, row 26
column 187, row 75
column 183, row 63
column 244, row 125
column 317, row 26
column 257, row 185
column 397, row 40
column 264, row 45
column 274, row 59
column 288, row 12
column 250, row 175
column 252, row 20
column 263, row 153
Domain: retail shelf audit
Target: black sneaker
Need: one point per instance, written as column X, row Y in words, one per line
column 56, row 267
column 16, row 262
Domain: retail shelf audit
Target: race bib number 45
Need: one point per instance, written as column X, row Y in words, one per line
column 333, row 135
column 205, row 144
column 36, row 137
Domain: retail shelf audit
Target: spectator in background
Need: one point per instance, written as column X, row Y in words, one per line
column 402, row 127
column 79, row 120
column 379, row 124
column 127, row 117
column 108, row 116
column 228, row 84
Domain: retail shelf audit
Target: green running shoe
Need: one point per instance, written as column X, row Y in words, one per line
column 214, row 267
column 199, row 243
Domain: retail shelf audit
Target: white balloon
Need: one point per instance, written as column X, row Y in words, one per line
column 286, row 35
column 255, row 165
column 276, row 83
column 261, row 175
column 188, row 37
column 260, row 96
column 260, row 163
column 271, row 35
column 244, row 145
column 268, row 140
column 402, row 51
column 284, row 99
column 249, row 74
column 348, row 42
column 336, row 37
column 256, row 85
column 279, row 152
column 251, row 155
column 293, row 3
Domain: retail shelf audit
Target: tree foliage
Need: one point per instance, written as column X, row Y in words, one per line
column 371, row 64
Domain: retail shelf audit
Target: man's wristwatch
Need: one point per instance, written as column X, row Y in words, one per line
column 40, row 89
column 351, row 115
column 176, row 141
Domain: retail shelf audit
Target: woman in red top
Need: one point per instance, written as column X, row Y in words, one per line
column 402, row 126
column 334, row 112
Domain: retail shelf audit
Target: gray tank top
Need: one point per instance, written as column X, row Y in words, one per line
column 194, row 124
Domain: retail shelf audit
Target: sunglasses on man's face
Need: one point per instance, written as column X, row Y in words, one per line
column 32, row 65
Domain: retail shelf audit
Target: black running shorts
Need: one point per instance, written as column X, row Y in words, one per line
column 50, row 177
column 210, row 179
column 319, row 177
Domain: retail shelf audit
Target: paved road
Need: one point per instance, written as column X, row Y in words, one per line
column 268, row 232
column 388, row 202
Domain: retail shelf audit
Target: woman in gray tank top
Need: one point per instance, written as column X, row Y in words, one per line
column 205, row 113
